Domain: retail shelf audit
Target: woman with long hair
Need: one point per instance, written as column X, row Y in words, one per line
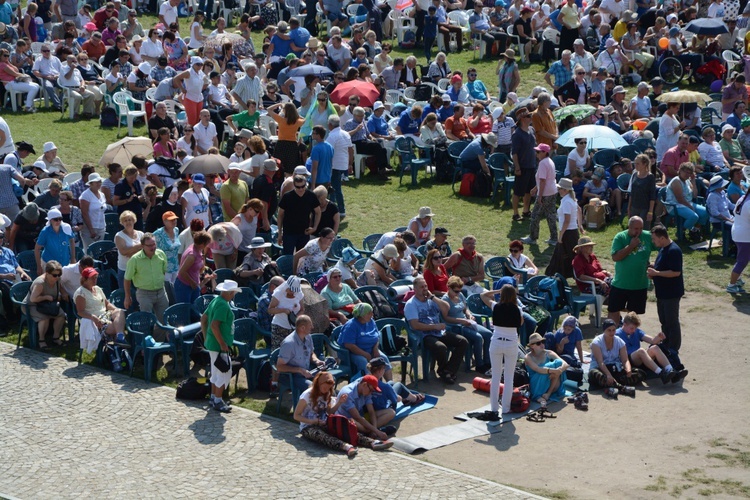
column 164, row 146
column 287, row 148
column 434, row 272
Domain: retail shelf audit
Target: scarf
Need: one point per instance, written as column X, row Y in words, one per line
column 466, row 255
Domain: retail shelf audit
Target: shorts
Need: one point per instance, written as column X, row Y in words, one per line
column 218, row 378
column 627, row 300
column 524, row 183
column 337, row 16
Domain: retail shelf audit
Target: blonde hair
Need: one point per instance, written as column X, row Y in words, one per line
column 127, row 215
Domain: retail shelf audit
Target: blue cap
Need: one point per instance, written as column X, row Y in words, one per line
column 673, row 31
column 499, row 3
column 199, row 178
column 349, row 254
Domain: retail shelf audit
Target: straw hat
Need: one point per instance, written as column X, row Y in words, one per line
column 583, row 241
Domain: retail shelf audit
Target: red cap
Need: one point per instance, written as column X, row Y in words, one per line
column 372, row 382
column 89, row 272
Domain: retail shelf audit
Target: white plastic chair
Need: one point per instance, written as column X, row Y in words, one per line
column 43, row 185
column 599, row 299
column 151, row 94
column 268, row 127
column 516, row 40
column 173, row 112
column 459, row 18
column 402, row 23
column 120, row 100
column 71, row 178
column 14, row 96
column 443, row 84
column 730, row 60
column 66, row 97
column 36, row 47
column 409, row 93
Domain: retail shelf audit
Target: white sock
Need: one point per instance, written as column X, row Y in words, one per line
column 658, row 370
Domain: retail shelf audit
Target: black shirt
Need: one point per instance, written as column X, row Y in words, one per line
column 155, row 123
column 326, row 217
column 669, row 258
column 154, row 222
column 508, row 315
column 297, row 211
column 123, row 191
column 265, row 191
column 28, row 232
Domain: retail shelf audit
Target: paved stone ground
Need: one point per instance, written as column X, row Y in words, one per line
column 69, row 431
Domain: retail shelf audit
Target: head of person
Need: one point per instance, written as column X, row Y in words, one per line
column 89, row 275
column 727, row 131
column 585, row 246
column 469, row 243
column 416, row 112
column 303, row 325
column 322, row 386
column 536, row 342
column 433, row 260
column 508, row 294
column 149, row 244
column 630, row 322
column 735, row 175
column 516, row 248
column 542, row 151
column 565, row 188
column 455, row 285
column 128, row 219
column 660, row 236
column 686, row 171
column 205, row 116
column 709, row 135
column 421, row 291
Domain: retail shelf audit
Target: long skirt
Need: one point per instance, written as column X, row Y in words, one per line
column 562, row 258
column 288, row 153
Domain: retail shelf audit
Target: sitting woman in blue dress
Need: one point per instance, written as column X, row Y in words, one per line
column 546, row 372
column 361, row 338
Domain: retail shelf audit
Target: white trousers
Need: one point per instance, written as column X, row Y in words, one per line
column 503, row 356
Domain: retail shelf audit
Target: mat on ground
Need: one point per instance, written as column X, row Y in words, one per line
column 403, row 411
column 443, row 436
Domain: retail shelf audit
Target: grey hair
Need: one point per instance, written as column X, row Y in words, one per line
column 334, row 121
column 358, row 111
column 566, row 52
column 542, row 98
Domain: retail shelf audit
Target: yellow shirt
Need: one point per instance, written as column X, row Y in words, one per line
column 569, row 16
column 619, row 31
column 235, row 193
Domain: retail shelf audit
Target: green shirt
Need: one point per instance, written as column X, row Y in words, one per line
column 237, row 194
column 734, row 148
column 219, row 310
column 630, row 272
column 245, row 120
column 147, row 274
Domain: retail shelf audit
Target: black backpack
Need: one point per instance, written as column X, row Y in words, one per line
column 108, row 118
column 381, row 308
column 109, row 259
column 443, row 165
column 482, row 185
column 422, row 92
column 116, row 358
column 173, row 166
column 264, row 376
column 192, row 390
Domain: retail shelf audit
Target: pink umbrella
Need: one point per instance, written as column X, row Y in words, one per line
column 366, row 91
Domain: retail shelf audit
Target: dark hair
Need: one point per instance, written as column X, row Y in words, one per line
column 738, row 103
column 139, row 161
column 660, row 231
column 87, row 169
column 325, row 232
column 201, row 238
column 86, row 261
column 516, row 244
column 319, row 131
column 112, row 168
column 398, row 61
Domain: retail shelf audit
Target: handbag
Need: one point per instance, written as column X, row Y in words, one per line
column 222, row 362
column 49, row 307
column 341, row 427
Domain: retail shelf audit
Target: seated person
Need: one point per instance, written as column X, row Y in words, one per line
column 297, row 355
column 9, row 270
column 345, row 265
column 711, row 152
column 468, row 265
column 718, row 206
column 434, row 272
column 681, row 193
column 737, row 184
column 456, row 127
column 610, row 365
column 519, row 260
column 731, row 148
column 51, row 197
column 596, row 187
column 405, row 265
column 262, row 316
column 98, row 315
column 473, row 157
column 588, row 268
column 378, row 265
column 359, row 402
column 652, row 358
column 362, row 338
column 392, row 392
column 440, row 242
column 253, row 267
column 546, row 372
column 422, row 312
column 340, row 297
column 566, row 341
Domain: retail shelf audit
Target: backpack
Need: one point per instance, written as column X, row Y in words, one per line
column 341, row 427
column 109, row 259
column 520, row 401
column 552, row 293
column 408, row 41
column 393, row 344
column 381, row 308
column 467, row 180
column 443, row 165
column 321, row 283
column 482, row 185
column 192, row 390
column 264, row 376
column 116, row 358
column 422, row 92
column 108, row 118
column 172, row 166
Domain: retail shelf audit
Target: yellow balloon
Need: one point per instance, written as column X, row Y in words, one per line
column 663, row 43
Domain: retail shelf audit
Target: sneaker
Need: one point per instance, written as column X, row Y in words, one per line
column 740, row 282
column 627, row 390
column 517, row 217
column 221, row 406
column 736, row 288
column 552, row 241
column 381, row 445
column 611, row 393
column 389, row 429
column 528, row 240
column 678, row 375
column 666, row 376
column 488, row 416
column 344, row 178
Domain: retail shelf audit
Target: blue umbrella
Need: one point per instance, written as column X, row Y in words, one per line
column 707, row 26
column 598, row 136
column 311, row 69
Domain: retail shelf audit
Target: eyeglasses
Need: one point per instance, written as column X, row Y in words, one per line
column 581, row 73
column 472, row 74
column 303, row 186
column 45, row 50
column 515, row 250
column 537, row 343
column 55, row 275
column 56, row 219
column 152, row 245
column 335, row 276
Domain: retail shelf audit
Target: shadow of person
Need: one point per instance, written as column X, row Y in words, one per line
column 503, row 440
column 209, row 430
column 31, row 358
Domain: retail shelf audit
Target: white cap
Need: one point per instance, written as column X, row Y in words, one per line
column 234, row 166
column 497, row 112
column 54, row 214
column 377, row 105
column 727, row 127
column 41, row 166
column 49, row 146
column 301, row 170
column 195, row 60
column 672, row 17
column 144, row 68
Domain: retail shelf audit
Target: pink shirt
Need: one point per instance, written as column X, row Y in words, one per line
column 4, row 76
column 546, row 171
column 195, row 270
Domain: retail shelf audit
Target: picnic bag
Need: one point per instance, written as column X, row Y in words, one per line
column 467, row 180
column 108, row 117
column 552, row 292
column 191, row 390
column 341, row 427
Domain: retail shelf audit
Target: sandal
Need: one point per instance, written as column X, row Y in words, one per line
column 58, row 342
column 535, row 416
column 546, row 413
column 526, row 215
column 517, row 218
column 43, row 345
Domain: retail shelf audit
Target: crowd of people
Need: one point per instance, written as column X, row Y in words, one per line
column 276, row 112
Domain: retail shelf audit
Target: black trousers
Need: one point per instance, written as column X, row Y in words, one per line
column 490, row 38
column 669, row 317
column 375, row 149
column 438, row 347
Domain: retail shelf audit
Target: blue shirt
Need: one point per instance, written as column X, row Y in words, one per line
column 561, row 74
column 295, row 351
column 473, row 151
column 477, row 90
column 56, row 245
column 430, row 26
column 364, row 336
column 735, row 120
column 480, row 21
column 379, row 125
column 361, row 135
column 322, row 152
column 8, row 262
column 574, row 337
column 425, row 312
column 553, row 19
column 441, row 15
column 281, row 47
column 406, row 123
column 354, row 399
column 445, row 112
column 263, row 318
column 632, row 342
column 300, row 37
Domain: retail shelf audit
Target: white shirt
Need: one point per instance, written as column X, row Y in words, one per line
column 96, row 208
column 218, row 93
column 122, row 261
column 195, row 43
column 162, row 173
column 197, row 206
column 75, row 79
column 132, row 78
column 204, row 135
column 152, row 49
column 248, row 88
column 341, row 143
column 71, row 278
column 580, row 161
column 616, row 8
column 46, row 67
column 7, row 146
column 183, row 144
column 568, row 206
column 168, row 12
column 194, row 85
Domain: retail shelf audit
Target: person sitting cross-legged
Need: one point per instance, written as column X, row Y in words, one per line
column 359, row 403
column 297, row 355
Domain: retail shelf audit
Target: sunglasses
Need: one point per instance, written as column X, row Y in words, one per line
column 57, row 219
column 472, row 74
column 303, row 186
column 581, row 73
column 45, row 50
column 537, row 343
column 55, row 275
column 322, row 100
column 515, row 250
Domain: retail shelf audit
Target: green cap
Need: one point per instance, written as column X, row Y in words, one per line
column 745, row 122
column 290, row 57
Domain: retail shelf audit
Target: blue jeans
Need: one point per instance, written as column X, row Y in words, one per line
column 698, row 214
column 336, row 195
column 479, row 340
column 360, row 362
column 530, row 326
column 428, row 42
column 183, row 293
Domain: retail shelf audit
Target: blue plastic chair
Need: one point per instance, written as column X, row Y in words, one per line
column 606, row 157
column 561, row 163
column 286, row 383
column 140, row 325
column 629, row 151
column 405, row 147
column 390, row 328
column 112, row 226
column 338, row 245
column 285, row 264
column 368, row 244
column 201, row 304
column 175, row 317
column 479, row 309
column 324, row 347
column 117, row 298
column 644, row 144
column 532, row 294
column 224, row 274
column 18, row 293
column 498, row 163
column 27, row 260
column 98, row 248
column 246, row 333
column 244, row 301
column 679, row 222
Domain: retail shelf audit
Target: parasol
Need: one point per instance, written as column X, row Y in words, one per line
column 206, row 164
column 311, row 69
column 685, row 97
column 367, row 93
column 123, row 150
column 707, row 26
column 579, row 112
column 598, row 136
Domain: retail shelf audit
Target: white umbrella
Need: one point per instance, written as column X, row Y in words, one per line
column 206, row 164
column 123, row 150
column 598, row 136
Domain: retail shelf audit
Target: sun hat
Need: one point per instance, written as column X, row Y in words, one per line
column 89, row 272
column 25, row 146
column 196, row 60
column 95, row 177
column 372, row 382
column 349, row 254
column 233, row 166
column 583, row 241
column 379, row 105
column 446, row 98
column 390, row 251
column 258, row 242
column 301, row 170
column 565, row 183
column 90, row 27
column 313, row 43
column 717, row 182
column 294, row 284
column 3, row 28
column 522, row 112
column 727, row 127
column 228, row 286
column 144, row 68
column 54, row 214
column 199, row 178
column 618, row 90
column 490, row 139
column 49, row 146
column 535, row 337
column 30, row 212
column 510, row 54
column 169, row 215
column 270, row 165
column 136, row 38
column 41, row 166
column 245, row 133
column 611, row 42
column 425, row 212
column 498, row 112
column 544, row 148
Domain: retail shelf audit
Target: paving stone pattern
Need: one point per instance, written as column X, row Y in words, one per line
column 69, row 431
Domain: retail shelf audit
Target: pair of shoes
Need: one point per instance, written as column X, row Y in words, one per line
column 485, row 416
column 678, row 375
column 344, row 178
column 43, row 345
column 627, row 390
column 30, row 110
column 538, row 416
column 736, row 288
column 221, row 406
column 666, row 376
column 389, row 429
column 58, row 342
column 381, row 445
column 517, row 217
column 611, row 393
column 528, row 240
column 580, row 400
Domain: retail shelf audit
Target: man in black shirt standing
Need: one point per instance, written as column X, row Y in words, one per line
column 265, row 190
column 295, row 209
column 668, row 285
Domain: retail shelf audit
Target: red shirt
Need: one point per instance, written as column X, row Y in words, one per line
column 437, row 283
column 673, row 158
column 584, row 267
column 100, row 18
column 457, row 127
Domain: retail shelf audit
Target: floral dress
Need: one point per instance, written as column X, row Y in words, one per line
column 171, row 247
column 315, row 259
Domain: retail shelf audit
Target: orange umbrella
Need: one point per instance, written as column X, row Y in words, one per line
column 367, row 93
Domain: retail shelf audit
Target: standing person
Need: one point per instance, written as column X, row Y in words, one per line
column 265, row 190
column 128, row 194
column 524, row 162
column 128, row 243
column 287, row 148
column 631, row 251
column 343, row 158
column 55, row 242
column 146, row 272
column 93, row 204
column 669, row 129
column 301, row 204
column 642, row 191
column 217, row 325
column 422, row 312
column 233, row 192
column 668, row 285
column 167, row 240
column 187, row 286
column 741, row 237
column 195, row 201
column 286, row 305
column 506, row 319
column 546, row 195
column 570, row 221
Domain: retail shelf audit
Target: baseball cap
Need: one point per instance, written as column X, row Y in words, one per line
column 442, row 230
column 199, row 178
column 372, row 382
column 446, row 98
column 89, row 272
column 169, row 215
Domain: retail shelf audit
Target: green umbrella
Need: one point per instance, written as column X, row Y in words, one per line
column 579, row 112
